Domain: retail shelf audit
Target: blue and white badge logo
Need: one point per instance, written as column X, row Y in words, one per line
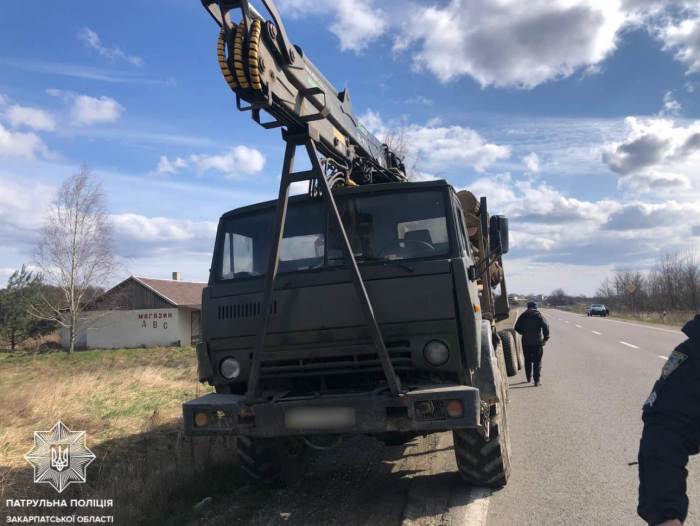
column 60, row 457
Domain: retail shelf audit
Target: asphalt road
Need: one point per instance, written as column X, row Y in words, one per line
column 575, row 437
column 573, row 441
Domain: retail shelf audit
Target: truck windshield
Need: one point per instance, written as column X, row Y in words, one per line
column 401, row 225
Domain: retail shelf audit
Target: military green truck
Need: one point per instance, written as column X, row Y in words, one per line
column 366, row 306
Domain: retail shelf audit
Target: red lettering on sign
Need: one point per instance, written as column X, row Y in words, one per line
column 140, row 316
column 170, row 315
column 143, row 323
column 155, row 324
column 165, row 324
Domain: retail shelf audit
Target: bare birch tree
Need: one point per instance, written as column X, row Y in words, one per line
column 400, row 141
column 75, row 253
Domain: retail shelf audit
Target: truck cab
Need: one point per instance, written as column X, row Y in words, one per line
column 319, row 370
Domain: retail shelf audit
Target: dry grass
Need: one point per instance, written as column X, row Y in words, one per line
column 129, row 403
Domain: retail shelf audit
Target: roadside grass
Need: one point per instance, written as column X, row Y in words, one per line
column 129, row 403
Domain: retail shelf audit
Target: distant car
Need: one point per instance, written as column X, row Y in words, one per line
column 597, row 310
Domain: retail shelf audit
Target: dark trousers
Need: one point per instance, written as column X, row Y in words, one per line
column 533, row 361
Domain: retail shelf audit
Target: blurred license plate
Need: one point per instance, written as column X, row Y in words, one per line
column 319, row 418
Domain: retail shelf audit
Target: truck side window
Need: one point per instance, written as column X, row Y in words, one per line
column 237, row 256
column 463, row 239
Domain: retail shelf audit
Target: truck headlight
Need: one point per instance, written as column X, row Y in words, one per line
column 436, row 353
column 230, row 368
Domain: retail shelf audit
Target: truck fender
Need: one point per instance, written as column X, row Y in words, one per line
column 486, row 377
column 469, row 317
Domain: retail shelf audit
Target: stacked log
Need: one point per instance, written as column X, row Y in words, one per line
column 470, row 204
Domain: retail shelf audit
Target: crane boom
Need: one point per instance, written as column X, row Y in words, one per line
column 268, row 74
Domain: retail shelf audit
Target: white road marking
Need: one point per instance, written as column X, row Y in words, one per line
column 478, row 507
column 629, row 345
column 578, row 326
column 596, row 332
column 567, row 321
column 664, row 357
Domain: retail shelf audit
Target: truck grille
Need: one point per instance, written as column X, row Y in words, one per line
column 243, row 310
column 331, row 365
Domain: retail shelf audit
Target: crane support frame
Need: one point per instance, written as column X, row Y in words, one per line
column 315, row 175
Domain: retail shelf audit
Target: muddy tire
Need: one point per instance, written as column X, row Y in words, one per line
column 519, row 349
column 481, row 462
column 273, row 460
column 510, row 353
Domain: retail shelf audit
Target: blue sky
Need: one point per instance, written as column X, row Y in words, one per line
column 580, row 119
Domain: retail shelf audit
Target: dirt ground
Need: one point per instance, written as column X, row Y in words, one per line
column 359, row 482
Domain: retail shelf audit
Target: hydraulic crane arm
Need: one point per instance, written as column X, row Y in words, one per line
column 268, row 73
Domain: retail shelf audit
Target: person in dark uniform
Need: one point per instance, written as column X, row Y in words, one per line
column 535, row 332
column 671, row 434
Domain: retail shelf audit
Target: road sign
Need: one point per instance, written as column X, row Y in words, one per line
column 631, row 288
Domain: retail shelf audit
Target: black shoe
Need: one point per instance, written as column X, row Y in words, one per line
column 528, row 380
column 538, row 383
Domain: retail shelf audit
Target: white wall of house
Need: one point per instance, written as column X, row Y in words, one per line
column 134, row 328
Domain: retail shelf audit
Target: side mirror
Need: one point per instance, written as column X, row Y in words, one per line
column 499, row 233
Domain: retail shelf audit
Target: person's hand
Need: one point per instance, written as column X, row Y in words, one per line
column 544, row 343
column 674, row 522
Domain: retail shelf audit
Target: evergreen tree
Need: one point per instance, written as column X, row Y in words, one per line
column 17, row 325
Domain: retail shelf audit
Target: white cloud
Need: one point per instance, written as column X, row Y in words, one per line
column 3, row 100
column 671, row 107
column 439, row 147
column 511, row 43
column 166, row 166
column 639, row 215
column 373, row 122
column 90, row 110
column 656, row 155
column 552, row 232
column 357, row 24
column 137, row 227
column 22, row 208
column 683, row 37
column 114, row 53
column 30, row 117
column 236, row 163
column 508, row 42
column 531, row 162
column 20, row 145
column 86, row 110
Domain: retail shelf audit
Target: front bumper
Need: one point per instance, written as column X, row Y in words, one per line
column 371, row 413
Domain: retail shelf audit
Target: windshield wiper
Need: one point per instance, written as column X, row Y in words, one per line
column 410, row 268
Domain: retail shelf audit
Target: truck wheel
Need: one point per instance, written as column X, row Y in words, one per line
column 509, row 353
column 518, row 349
column 481, row 462
column 272, row 460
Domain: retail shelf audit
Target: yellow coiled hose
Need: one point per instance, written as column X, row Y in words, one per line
column 221, row 53
column 240, row 78
column 253, row 55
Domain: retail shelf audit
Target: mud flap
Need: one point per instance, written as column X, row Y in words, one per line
column 487, row 378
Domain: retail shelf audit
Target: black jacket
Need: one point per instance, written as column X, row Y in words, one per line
column 671, row 434
column 533, row 327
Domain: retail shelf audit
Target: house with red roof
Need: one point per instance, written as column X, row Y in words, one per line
column 143, row 312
